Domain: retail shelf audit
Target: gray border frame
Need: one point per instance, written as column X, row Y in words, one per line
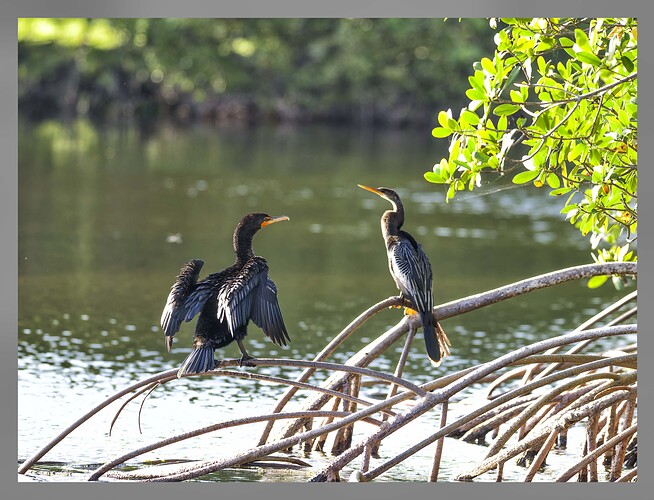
column 295, row 8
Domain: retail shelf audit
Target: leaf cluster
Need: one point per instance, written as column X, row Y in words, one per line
column 556, row 107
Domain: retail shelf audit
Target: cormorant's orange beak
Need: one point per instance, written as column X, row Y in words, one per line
column 271, row 220
column 372, row 190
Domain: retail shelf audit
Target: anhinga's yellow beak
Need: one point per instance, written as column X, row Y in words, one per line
column 271, row 220
column 372, row 190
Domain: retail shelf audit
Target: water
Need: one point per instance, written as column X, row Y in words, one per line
column 106, row 218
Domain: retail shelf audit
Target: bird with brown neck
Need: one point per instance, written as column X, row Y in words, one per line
column 412, row 273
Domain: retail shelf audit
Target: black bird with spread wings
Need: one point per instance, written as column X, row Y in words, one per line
column 411, row 270
column 226, row 300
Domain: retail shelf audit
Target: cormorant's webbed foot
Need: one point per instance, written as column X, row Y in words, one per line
column 247, row 360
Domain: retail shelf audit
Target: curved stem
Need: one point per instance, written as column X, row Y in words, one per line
column 472, row 302
column 328, row 366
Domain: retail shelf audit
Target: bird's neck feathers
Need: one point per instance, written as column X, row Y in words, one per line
column 243, row 244
column 392, row 222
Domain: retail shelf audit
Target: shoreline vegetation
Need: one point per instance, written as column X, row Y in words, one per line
column 388, row 72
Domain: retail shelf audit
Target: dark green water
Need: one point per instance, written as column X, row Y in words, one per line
column 106, row 218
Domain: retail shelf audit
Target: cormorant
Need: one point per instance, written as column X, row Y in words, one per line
column 411, row 270
column 226, row 300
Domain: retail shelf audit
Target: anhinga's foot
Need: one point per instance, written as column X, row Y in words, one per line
column 400, row 299
column 408, row 311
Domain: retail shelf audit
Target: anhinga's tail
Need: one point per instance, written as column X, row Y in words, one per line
column 436, row 340
column 431, row 341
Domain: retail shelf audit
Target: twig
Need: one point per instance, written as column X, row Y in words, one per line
column 137, row 394
column 618, row 457
column 433, row 477
column 540, row 457
column 327, row 366
column 294, row 383
column 591, row 444
column 628, row 476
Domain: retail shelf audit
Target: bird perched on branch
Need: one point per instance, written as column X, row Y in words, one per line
column 411, row 270
column 226, row 300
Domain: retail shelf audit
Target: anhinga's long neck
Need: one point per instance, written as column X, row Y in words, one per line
column 392, row 220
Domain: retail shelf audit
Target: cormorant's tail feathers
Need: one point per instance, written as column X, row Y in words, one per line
column 200, row 360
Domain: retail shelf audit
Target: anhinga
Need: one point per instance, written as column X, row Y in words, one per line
column 411, row 270
column 226, row 301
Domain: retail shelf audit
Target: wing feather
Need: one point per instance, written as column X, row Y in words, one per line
column 176, row 310
column 267, row 315
column 252, row 295
column 412, row 271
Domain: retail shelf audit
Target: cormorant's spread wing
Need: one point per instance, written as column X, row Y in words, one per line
column 267, row 315
column 252, row 295
column 175, row 310
column 412, row 269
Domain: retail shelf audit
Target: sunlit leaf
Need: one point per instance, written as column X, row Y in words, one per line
column 597, row 281
column 589, row 58
column 526, row 176
column 553, row 180
column 441, row 132
column 434, row 178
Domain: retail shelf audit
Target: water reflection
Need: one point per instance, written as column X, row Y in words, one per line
column 106, row 217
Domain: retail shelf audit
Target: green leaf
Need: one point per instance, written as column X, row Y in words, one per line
column 627, row 63
column 597, row 281
column 434, row 178
column 488, row 66
column 525, row 177
column 516, row 96
column 470, row 117
column 505, row 109
column 441, row 132
column 589, row 58
column 553, row 180
column 477, row 80
column 451, row 190
column 476, row 95
column 565, row 42
column 577, row 151
column 475, row 104
column 442, row 118
column 581, row 39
